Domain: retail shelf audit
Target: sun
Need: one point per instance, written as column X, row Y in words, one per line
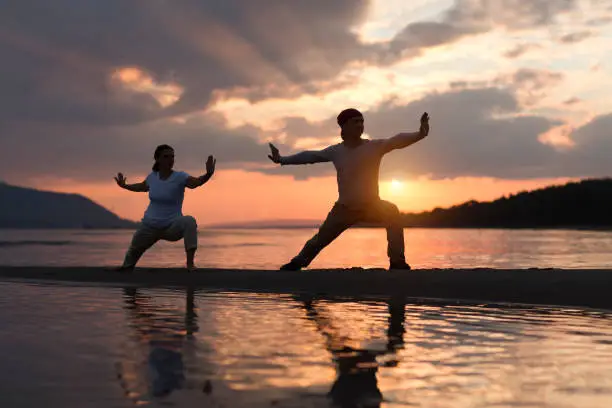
column 396, row 185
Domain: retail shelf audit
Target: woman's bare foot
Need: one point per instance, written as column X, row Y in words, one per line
column 191, row 260
column 123, row 269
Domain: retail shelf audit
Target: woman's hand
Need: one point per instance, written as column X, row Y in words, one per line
column 121, row 180
column 210, row 165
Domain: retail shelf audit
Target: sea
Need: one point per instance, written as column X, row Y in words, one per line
column 99, row 345
column 357, row 247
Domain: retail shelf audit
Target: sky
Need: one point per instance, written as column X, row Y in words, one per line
column 518, row 92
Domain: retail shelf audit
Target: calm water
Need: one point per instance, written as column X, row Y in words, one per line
column 77, row 346
column 266, row 249
column 73, row 346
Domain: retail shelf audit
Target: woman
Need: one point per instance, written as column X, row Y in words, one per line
column 164, row 218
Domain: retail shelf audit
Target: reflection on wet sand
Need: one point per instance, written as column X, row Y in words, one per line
column 167, row 333
column 356, row 384
column 165, row 339
column 265, row 350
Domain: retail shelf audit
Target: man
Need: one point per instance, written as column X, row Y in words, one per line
column 357, row 163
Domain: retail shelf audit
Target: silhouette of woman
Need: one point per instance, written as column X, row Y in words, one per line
column 166, row 332
column 164, row 218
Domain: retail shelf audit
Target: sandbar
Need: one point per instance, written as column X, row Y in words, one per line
column 562, row 287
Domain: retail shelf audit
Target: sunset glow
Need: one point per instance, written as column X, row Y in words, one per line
column 396, row 186
column 518, row 97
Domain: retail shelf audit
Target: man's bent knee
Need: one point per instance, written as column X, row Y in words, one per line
column 390, row 208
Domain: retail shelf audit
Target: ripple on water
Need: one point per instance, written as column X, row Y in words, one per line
column 75, row 346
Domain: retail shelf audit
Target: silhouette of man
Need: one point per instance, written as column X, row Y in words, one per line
column 357, row 163
column 356, row 383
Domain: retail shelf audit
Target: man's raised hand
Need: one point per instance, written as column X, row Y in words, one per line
column 275, row 156
column 424, row 130
column 210, row 164
column 121, row 180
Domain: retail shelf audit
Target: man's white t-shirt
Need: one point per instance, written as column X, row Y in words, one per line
column 166, row 199
column 357, row 169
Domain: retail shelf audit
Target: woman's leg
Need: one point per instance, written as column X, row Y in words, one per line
column 184, row 227
column 143, row 239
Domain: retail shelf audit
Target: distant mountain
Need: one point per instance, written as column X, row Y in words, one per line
column 22, row 207
column 584, row 204
column 578, row 205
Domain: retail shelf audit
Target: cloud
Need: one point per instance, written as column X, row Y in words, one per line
column 590, row 154
column 531, row 85
column 572, row 101
column 599, row 21
column 575, row 37
column 475, row 132
column 89, row 88
column 509, row 14
column 86, row 153
column 472, row 17
column 527, row 84
column 520, row 49
column 59, row 57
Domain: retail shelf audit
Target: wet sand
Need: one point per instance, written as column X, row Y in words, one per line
column 587, row 287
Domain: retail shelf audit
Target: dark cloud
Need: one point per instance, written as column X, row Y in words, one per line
column 475, row 132
column 58, row 56
column 481, row 15
column 470, row 17
column 62, row 113
column 572, row 101
column 520, row 49
column 535, row 79
column 599, row 21
column 529, row 85
column 590, row 156
column 88, row 153
column 575, row 37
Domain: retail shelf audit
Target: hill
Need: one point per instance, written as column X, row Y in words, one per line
column 22, row 207
column 578, row 205
column 584, row 204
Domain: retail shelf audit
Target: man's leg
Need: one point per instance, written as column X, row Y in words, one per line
column 338, row 220
column 184, row 227
column 143, row 239
column 388, row 215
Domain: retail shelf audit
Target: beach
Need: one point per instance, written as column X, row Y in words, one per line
column 576, row 287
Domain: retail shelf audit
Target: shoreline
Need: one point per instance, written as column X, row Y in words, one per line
column 557, row 287
column 587, row 228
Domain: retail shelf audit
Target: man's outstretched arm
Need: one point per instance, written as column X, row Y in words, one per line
column 402, row 140
column 305, row 157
